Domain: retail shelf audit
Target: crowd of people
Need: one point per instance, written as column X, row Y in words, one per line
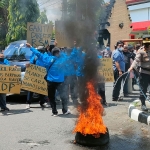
column 65, row 68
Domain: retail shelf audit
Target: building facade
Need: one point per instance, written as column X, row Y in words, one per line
column 140, row 16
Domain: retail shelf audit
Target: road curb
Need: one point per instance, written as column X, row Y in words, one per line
column 138, row 115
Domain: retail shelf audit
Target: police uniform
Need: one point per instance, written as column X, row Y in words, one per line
column 142, row 59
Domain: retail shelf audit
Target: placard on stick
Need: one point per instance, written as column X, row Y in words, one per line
column 61, row 35
column 10, row 79
column 105, row 70
column 34, row 80
column 39, row 34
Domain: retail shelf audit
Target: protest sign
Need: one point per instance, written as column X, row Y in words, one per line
column 61, row 35
column 34, row 80
column 39, row 34
column 105, row 70
column 10, row 79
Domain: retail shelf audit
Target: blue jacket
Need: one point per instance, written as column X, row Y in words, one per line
column 5, row 62
column 69, row 68
column 56, row 72
column 80, row 63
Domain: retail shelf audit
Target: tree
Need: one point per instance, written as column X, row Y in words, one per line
column 43, row 18
column 21, row 12
column 3, row 22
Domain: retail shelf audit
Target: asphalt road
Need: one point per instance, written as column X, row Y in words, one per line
column 36, row 129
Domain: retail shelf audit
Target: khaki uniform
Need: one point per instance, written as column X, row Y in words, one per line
column 143, row 60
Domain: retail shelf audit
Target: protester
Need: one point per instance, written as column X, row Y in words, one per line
column 119, row 69
column 106, row 53
column 34, row 60
column 143, row 59
column 101, row 86
column 3, row 106
column 55, row 75
column 80, row 59
column 70, row 76
column 127, row 59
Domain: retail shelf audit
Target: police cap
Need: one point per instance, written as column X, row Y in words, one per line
column 146, row 38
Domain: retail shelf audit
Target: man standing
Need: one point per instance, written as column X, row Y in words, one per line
column 127, row 59
column 143, row 60
column 119, row 69
column 3, row 107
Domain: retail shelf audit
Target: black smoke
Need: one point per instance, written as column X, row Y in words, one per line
column 81, row 28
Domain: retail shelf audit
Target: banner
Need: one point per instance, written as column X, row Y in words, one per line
column 105, row 70
column 34, row 80
column 61, row 35
column 10, row 79
column 39, row 34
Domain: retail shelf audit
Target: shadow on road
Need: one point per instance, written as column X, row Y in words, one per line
column 16, row 111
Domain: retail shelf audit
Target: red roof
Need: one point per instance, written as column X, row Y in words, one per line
column 140, row 26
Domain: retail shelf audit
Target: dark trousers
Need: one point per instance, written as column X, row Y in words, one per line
column 52, row 87
column 101, row 91
column 117, row 85
column 30, row 98
column 144, row 82
column 2, row 101
column 63, row 91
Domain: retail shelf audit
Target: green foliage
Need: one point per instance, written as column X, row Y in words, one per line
column 21, row 12
column 43, row 18
column 3, row 22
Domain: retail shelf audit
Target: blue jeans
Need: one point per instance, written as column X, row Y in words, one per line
column 3, row 101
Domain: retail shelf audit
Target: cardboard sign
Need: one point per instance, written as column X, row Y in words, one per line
column 61, row 35
column 34, row 80
column 39, row 34
column 10, row 79
column 105, row 70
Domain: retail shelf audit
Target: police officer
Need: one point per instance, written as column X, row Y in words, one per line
column 142, row 59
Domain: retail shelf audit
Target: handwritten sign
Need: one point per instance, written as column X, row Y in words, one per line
column 61, row 35
column 34, row 80
column 105, row 70
column 39, row 34
column 10, row 79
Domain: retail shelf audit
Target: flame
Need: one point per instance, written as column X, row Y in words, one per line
column 90, row 121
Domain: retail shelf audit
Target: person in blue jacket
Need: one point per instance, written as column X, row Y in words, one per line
column 70, row 83
column 55, row 75
column 3, row 106
column 34, row 60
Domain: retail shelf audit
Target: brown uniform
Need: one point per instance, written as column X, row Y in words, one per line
column 143, row 60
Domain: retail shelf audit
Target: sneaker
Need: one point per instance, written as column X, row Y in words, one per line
column 28, row 106
column 43, row 105
column 144, row 108
column 55, row 115
column 67, row 112
column 120, row 98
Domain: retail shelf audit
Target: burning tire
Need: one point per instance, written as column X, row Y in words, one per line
column 90, row 140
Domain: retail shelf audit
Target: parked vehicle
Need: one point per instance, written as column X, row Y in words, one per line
column 18, row 54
